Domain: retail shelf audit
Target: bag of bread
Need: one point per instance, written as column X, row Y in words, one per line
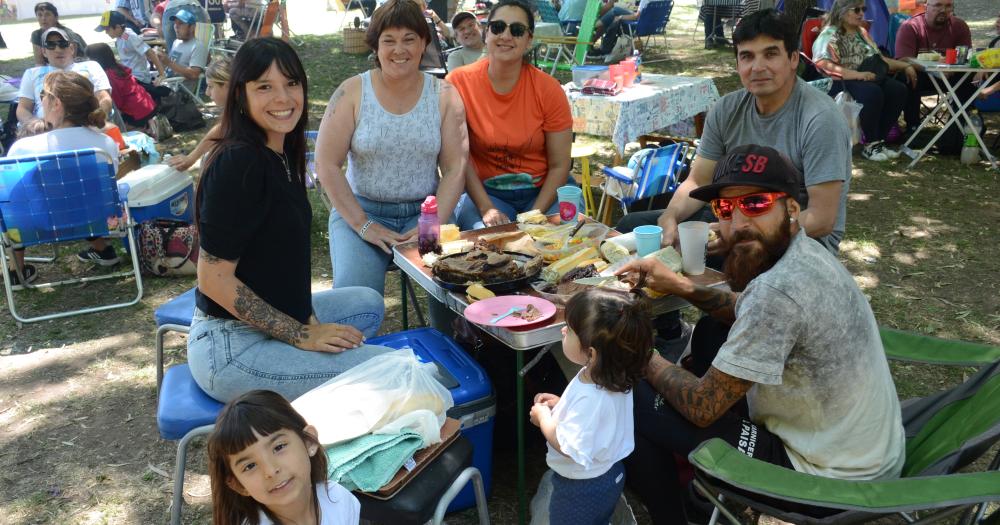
column 391, row 391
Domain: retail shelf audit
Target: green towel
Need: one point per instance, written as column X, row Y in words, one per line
column 368, row 462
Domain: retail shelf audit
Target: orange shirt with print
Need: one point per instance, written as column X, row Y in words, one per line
column 507, row 132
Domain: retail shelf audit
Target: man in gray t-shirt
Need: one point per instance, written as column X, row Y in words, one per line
column 465, row 26
column 804, row 350
column 775, row 109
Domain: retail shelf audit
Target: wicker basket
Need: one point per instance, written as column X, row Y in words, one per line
column 354, row 41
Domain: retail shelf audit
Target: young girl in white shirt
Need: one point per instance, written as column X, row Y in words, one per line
column 267, row 467
column 589, row 429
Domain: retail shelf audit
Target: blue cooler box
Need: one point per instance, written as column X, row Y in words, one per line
column 158, row 191
column 470, row 387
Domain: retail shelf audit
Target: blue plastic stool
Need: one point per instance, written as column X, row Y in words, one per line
column 183, row 412
column 173, row 316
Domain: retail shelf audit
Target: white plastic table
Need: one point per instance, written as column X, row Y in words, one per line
column 944, row 83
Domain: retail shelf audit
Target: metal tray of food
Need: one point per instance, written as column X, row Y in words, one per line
column 509, row 285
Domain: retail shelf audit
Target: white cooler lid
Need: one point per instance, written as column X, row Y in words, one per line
column 152, row 184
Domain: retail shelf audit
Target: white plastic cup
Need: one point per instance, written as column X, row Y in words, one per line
column 694, row 238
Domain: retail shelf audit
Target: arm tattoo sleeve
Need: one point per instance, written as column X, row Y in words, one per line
column 253, row 310
column 209, row 258
column 701, row 401
column 332, row 104
column 720, row 304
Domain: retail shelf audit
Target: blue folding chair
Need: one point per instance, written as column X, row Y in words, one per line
column 651, row 172
column 652, row 22
column 61, row 197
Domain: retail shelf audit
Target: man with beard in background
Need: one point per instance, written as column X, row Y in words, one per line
column 801, row 381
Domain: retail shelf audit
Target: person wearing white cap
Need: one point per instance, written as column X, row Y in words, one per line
column 60, row 51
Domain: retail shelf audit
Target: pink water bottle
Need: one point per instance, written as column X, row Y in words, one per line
column 429, row 227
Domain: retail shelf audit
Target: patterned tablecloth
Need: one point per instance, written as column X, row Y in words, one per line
column 659, row 102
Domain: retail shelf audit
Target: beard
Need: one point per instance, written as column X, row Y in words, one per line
column 746, row 261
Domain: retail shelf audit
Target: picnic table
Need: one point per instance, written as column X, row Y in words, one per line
column 407, row 257
column 945, row 78
column 660, row 101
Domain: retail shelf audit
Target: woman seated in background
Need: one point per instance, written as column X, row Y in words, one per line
column 134, row 103
column 519, row 125
column 217, row 79
column 257, row 324
column 844, row 51
column 395, row 126
column 48, row 16
column 75, row 119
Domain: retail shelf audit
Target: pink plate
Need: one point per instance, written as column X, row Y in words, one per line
column 480, row 312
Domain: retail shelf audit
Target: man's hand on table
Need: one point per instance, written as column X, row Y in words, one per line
column 659, row 278
column 495, row 217
column 669, row 225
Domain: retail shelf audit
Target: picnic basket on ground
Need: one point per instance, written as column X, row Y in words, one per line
column 354, row 41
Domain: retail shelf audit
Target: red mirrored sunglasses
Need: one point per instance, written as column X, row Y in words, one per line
column 750, row 205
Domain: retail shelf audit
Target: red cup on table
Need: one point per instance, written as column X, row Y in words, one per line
column 615, row 72
column 628, row 76
column 950, row 56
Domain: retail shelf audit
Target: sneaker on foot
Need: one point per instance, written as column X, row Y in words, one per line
column 891, row 153
column 30, row 275
column 106, row 257
column 875, row 151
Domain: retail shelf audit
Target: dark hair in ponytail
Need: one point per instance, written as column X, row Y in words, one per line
column 619, row 329
column 76, row 94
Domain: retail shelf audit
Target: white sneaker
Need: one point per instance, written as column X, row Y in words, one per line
column 875, row 151
column 891, row 153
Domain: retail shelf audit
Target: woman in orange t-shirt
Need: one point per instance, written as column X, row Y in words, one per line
column 519, row 126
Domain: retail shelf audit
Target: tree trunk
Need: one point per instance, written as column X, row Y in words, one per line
column 796, row 9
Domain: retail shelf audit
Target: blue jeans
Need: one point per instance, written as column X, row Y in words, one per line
column 357, row 262
column 508, row 202
column 612, row 29
column 229, row 357
column 586, row 501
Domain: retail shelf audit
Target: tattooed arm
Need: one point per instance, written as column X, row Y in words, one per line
column 720, row 304
column 335, row 134
column 217, row 279
column 701, row 401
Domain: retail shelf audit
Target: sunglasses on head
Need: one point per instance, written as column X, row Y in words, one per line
column 52, row 44
column 517, row 29
column 858, row 9
column 752, row 205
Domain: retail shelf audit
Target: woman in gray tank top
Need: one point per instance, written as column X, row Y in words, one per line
column 394, row 125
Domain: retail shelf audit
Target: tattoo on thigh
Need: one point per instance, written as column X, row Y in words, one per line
column 254, row 310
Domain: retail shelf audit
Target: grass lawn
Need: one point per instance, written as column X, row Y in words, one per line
column 78, row 437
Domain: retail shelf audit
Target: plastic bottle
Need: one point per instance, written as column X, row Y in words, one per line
column 638, row 66
column 428, row 227
column 970, row 151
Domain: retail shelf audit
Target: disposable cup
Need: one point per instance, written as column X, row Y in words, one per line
column 647, row 239
column 570, row 203
column 950, row 56
column 694, row 237
column 628, row 77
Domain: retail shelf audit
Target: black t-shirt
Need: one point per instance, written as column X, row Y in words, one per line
column 249, row 210
column 81, row 45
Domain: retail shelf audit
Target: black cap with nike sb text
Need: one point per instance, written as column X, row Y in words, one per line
column 753, row 165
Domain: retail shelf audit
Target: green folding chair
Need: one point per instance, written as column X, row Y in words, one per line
column 945, row 432
column 570, row 50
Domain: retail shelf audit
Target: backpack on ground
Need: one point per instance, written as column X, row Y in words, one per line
column 168, row 248
column 181, row 110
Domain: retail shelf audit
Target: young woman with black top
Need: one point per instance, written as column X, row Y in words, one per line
column 257, row 325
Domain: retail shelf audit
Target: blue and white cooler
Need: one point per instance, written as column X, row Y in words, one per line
column 158, row 191
column 470, row 387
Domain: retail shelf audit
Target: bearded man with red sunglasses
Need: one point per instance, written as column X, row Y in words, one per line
column 801, row 381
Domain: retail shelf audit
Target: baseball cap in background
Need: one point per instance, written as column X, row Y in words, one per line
column 184, row 16
column 753, row 165
column 57, row 30
column 110, row 19
column 460, row 17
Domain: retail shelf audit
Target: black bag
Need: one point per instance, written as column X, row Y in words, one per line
column 875, row 64
column 182, row 111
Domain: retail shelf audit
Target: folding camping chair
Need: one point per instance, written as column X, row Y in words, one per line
column 56, row 198
column 652, row 22
column 569, row 50
column 944, row 433
column 651, row 172
column 204, row 32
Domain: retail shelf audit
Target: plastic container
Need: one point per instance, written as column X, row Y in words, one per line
column 158, row 191
column 470, row 387
column 554, row 248
column 583, row 73
column 989, row 58
column 428, row 227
